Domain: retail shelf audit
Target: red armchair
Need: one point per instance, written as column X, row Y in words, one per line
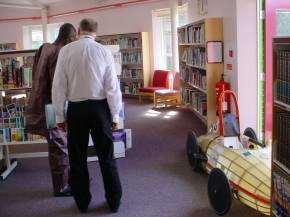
column 169, row 96
column 160, row 81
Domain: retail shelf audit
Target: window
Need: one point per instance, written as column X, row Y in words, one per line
column 167, row 45
column 162, row 33
column 33, row 35
column 36, row 38
column 283, row 22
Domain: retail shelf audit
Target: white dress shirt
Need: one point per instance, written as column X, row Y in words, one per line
column 85, row 70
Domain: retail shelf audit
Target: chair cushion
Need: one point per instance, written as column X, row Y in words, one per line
column 150, row 89
column 160, row 78
column 167, row 92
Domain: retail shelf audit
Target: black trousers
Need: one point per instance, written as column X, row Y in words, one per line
column 83, row 118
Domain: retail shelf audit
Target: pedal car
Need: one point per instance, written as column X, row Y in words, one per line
column 238, row 165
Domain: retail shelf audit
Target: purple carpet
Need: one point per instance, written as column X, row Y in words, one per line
column 157, row 180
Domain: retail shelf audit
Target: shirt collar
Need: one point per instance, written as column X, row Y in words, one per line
column 87, row 36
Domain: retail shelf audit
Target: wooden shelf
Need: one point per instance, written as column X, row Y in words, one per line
column 132, row 64
column 282, row 167
column 130, row 49
column 196, row 66
column 136, row 79
column 197, row 113
column 17, row 53
column 195, row 87
column 192, row 44
column 282, row 105
column 130, row 95
column 193, row 38
column 16, row 88
column 24, row 142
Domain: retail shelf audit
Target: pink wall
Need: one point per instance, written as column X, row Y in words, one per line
column 247, row 62
column 135, row 18
column 12, row 31
column 126, row 19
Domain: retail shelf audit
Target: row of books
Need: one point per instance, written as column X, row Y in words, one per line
column 12, row 110
column 109, row 41
column 130, row 88
column 8, row 46
column 132, row 73
column 281, row 195
column 194, row 56
column 17, row 135
column 130, row 43
column 283, row 91
column 132, row 57
column 15, row 73
column 196, row 99
column 192, row 34
column 283, row 138
column 283, row 77
column 124, row 42
column 193, row 76
column 17, row 122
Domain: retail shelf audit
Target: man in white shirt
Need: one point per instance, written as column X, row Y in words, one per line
column 85, row 77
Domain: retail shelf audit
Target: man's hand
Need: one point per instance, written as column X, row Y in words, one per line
column 114, row 126
column 62, row 126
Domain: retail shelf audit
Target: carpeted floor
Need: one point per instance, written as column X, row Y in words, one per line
column 157, row 180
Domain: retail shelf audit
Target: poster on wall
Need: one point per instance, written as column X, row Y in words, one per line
column 202, row 6
column 214, row 52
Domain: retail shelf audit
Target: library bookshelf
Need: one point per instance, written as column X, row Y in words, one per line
column 281, row 128
column 198, row 76
column 15, row 86
column 135, row 53
column 9, row 46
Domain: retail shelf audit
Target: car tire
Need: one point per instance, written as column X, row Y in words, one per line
column 249, row 132
column 219, row 192
column 193, row 150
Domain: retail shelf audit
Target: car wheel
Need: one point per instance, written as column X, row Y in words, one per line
column 219, row 192
column 249, row 132
column 193, row 151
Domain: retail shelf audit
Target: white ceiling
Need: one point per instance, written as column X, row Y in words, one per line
column 30, row 2
column 37, row 2
column 40, row 3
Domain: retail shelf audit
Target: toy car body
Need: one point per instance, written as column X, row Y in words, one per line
column 238, row 165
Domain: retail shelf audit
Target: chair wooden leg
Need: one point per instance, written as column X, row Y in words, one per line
column 154, row 100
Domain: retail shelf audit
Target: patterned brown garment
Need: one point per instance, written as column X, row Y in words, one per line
column 43, row 71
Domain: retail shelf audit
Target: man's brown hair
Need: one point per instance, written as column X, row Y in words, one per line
column 88, row 25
